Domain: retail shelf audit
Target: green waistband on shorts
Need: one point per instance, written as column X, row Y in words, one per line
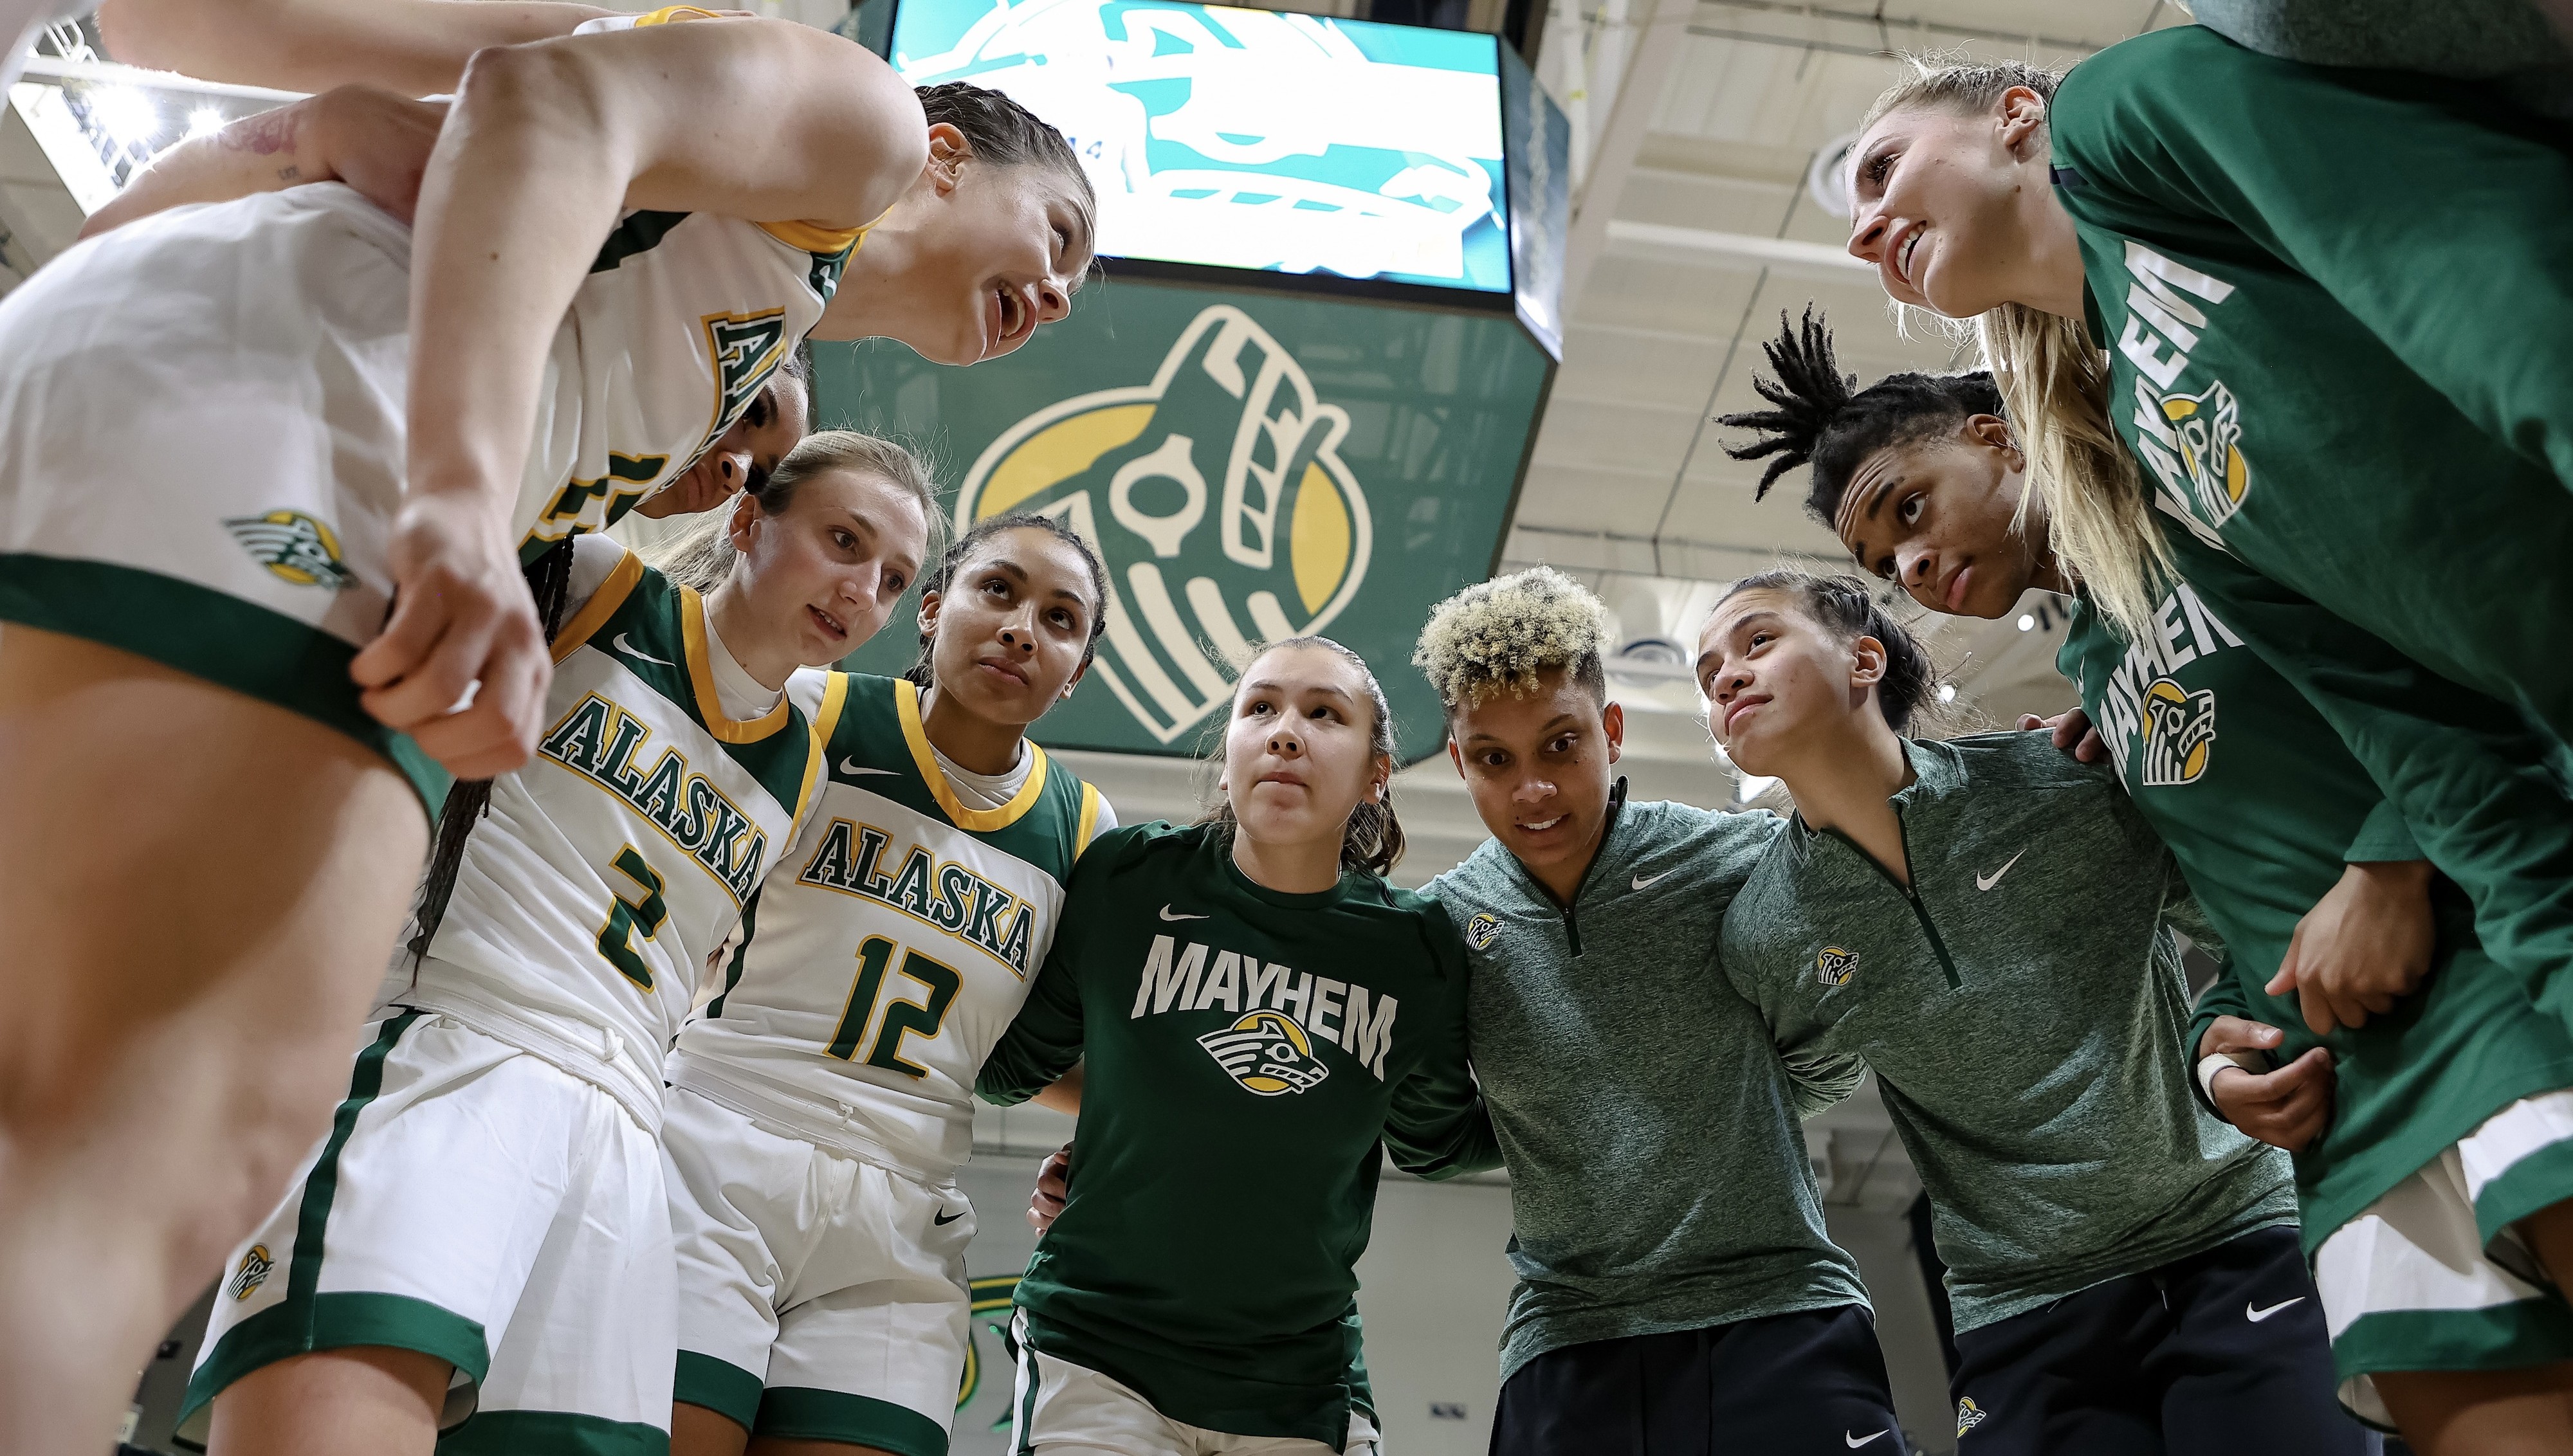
column 802, row 1414
column 209, row 634
column 553, row 1432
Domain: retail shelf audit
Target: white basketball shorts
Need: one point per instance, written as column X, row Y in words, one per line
column 474, row 1202
column 822, row 1296
column 1063, row 1409
column 2433, row 1278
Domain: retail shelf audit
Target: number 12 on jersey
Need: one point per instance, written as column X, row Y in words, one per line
column 875, row 958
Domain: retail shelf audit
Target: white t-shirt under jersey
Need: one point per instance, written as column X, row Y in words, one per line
column 987, row 792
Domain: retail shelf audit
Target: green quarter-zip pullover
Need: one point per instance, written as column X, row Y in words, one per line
column 1658, row 1178
column 2360, row 389
column 2023, row 1007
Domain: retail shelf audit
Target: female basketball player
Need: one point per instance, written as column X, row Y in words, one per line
column 2167, row 256
column 185, row 674
column 1257, row 1009
column 884, row 957
column 2316, row 886
column 1986, row 923
column 486, row 1231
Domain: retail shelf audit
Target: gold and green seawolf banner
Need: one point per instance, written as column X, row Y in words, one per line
column 1250, row 466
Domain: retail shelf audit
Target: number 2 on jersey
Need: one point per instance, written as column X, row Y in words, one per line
column 875, row 957
column 626, row 917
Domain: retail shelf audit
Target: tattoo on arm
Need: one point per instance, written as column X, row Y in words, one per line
column 288, row 173
column 267, row 134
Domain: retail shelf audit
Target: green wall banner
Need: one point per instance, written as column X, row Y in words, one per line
column 1250, row 465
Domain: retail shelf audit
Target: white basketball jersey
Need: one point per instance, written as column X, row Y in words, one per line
column 683, row 317
column 886, row 956
column 614, row 864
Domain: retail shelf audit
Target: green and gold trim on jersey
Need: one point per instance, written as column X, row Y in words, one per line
column 655, row 629
column 880, row 736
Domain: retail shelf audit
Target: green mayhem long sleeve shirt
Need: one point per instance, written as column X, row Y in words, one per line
column 1658, row 1178
column 2336, row 305
column 2023, row 1010
column 1247, row 1054
column 2261, row 803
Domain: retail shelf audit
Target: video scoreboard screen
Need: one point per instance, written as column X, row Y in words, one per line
column 1252, row 137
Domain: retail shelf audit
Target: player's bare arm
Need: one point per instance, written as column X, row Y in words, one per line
column 371, row 139
column 412, row 47
column 547, row 146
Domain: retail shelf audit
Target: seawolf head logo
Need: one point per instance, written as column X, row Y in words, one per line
column 253, row 1271
column 2178, row 732
column 2209, row 428
column 1267, row 1053
column 294, row 547
column 1219, row 499
column 1483, row 929
column 1833, row 966
column 1969, row 1415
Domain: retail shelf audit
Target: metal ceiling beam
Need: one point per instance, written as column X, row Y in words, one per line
column 1639, row 94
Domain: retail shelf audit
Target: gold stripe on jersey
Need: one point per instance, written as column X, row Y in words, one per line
column 701, row 678
column 906, row 702
column 825, row 722
column 602, row 604
column 816, row 237
column 1088, row 818
column 674, row 14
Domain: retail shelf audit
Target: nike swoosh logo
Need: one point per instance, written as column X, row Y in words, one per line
column 1165, row 915
column 946, row 1219
column 1639, row 882
column 853, row 768
column 1984, row 882
column 2257, row 1315
column 1854, row 1442
column 637, row 653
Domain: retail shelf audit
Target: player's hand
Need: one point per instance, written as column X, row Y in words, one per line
column 378, row 143
column 460, row 665
column 2073, row 733
column 2285, row 1109
column 1054, row 1184
column 2364, row 947
column 717, row 476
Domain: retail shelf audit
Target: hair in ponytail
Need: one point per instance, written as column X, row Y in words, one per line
column 701, row 558
column 1847, row 608
column 1372, row 839
column 2054, row 376
column 468, row 800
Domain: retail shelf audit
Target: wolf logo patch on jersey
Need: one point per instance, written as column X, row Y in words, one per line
column 1969, row 1415
column 2209, row 427
column 1482, row 930
column 2178, row 731
column 1834, row 966
column 1267, row 1053
column 294, row 547
column 253, row 1271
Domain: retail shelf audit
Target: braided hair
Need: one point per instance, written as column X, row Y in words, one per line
column 1823, row 419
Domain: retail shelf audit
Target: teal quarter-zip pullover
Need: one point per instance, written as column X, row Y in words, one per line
column 2023, row 1005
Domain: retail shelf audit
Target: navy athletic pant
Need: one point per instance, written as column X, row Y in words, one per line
column 2221, row 1351
column 1810, row 1383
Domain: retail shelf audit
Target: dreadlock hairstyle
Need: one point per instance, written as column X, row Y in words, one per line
column 2055, row 377
column 1823, row 419
column 941, row 577
column 1372, row 839
column 1006, row 133
column 1845, row 607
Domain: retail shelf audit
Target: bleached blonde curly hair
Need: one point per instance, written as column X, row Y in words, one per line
column 1499, row 636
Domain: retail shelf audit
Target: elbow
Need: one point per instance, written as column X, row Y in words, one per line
column 537, row 90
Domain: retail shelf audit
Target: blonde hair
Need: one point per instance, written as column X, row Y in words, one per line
column 1501, row 634
column 701, row 556
column 2054, row 380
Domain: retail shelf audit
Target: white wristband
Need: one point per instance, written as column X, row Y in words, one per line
column 2207, row 1066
